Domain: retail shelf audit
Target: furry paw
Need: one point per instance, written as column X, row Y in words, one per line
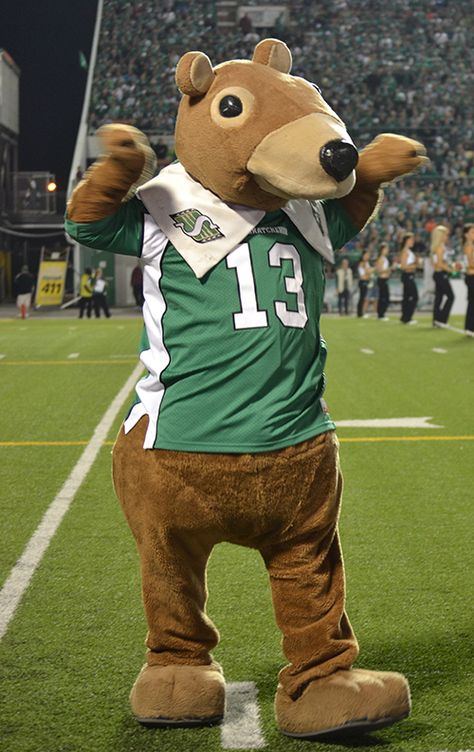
column 128, row 146
column 389, row 157
column 179, row 695
column 343, row 704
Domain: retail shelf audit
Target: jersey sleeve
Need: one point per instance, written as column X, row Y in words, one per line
column 340, row 227
column 121, row 232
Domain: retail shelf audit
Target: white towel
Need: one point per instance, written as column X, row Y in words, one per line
column 204, row 229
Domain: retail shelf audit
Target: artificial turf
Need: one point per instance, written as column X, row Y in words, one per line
column 76, row 642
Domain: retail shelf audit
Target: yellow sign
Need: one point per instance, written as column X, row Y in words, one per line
column 50, row 286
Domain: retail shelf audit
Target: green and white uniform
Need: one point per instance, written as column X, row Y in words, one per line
column 235, row 358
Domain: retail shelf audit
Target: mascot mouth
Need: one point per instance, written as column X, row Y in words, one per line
column 292, row 162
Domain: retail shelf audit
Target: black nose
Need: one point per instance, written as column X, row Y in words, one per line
column 338, row 159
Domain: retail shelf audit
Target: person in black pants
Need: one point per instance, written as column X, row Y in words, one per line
column 344, row 287
column 468, row 248
column 382, row 268
column 444, row 295
column 365, row 272
column 408, row 265
column 100, row 301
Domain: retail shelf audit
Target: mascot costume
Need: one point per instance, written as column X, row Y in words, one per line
column 229, row 438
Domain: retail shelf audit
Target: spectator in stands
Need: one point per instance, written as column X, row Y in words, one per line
column 468, row 248
column 408, row 266
column 24, row 287
column 344, row 281
column 245, row 24
column 444, row 295
column 365, row 271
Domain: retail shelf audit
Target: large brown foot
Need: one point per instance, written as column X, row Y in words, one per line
column 344, row 704
column 179, row 695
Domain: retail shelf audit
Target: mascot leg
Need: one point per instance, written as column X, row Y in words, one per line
column 318, row 692
column 180, row 684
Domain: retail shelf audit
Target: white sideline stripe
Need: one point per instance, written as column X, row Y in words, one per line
column 458, row 331
column 24, row 569
column 241, row 727
column 388, row 423
column 73, row 355
column 439, row 350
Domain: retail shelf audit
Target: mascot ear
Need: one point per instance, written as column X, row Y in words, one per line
column 273, row 53
column 194, row 74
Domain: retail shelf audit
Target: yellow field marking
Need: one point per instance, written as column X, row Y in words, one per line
column 347, row 439
column 77, row 362
column 41, row 443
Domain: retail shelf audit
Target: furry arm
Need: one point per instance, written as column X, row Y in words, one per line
column 386, row 158
column 128, row 162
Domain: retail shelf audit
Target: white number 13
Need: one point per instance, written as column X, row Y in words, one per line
column 250, row 317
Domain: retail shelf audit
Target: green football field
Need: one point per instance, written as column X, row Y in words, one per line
column 73, row 643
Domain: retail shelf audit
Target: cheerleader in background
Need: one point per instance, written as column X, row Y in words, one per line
column 382, row 268
column 365, row 272
column 408, row 266
column 443, row 289
column 468, row 248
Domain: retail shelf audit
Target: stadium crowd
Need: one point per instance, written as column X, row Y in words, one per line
column 401, row 66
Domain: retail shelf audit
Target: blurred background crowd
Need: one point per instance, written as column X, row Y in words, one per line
column 400, row 66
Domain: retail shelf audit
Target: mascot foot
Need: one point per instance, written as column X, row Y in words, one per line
column 344, row 704
column 179, row 695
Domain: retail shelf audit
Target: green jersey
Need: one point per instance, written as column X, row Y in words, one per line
column 235, row 360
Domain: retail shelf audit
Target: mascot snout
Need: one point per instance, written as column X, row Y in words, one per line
column 312, row 157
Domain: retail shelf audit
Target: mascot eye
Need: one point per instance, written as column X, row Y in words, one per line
column 230, row 106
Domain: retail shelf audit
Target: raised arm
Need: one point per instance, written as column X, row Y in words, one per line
column 385, row 159
column 128, row 161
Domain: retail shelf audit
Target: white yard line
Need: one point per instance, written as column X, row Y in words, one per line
column 439, row 350
column 366, row 351
column 241, row 728
column 71, row 356
column 21, row 574
column 2, row 355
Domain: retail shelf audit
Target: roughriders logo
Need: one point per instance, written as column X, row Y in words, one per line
column 196, row 225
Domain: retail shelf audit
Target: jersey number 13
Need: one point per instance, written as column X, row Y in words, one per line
column 250, row 317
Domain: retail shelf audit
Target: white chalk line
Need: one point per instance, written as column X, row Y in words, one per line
column 241, row 728
column 71, row 356
column 20, row 576
column 451, row 328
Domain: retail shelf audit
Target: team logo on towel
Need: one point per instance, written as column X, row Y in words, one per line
column 197, row 226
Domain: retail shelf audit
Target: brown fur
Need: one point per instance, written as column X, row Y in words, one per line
column 128, row 162
column 342, row 700
column 180, row 504
column 285, row 504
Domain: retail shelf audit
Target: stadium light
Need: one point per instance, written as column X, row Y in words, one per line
column 51, row 186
